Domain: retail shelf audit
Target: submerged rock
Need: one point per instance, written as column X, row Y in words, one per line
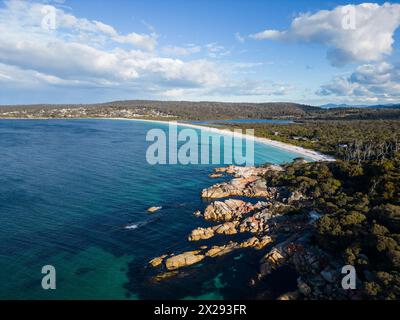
column 165, row 276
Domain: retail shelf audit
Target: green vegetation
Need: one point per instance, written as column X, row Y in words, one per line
column 185, row 110
column 347, row 140
column 360, row 203
column 358, row 196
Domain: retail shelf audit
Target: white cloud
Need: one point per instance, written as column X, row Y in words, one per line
column 216, row 50
column 370, row 40
column 144, row 41
column 15, row 76
column 238, row 88
column 370, row 82
column 79, row 50
column 239, row 37
column 268, row 34
column 81, row 53
column 181, row 51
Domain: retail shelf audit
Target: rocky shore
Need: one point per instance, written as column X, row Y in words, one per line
column 284, row 239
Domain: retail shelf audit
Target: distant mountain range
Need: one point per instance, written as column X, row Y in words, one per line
column 377, row 106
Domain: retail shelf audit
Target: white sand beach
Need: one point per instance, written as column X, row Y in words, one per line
column 310, row 154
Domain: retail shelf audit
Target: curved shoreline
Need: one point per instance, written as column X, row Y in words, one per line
column 311, row 154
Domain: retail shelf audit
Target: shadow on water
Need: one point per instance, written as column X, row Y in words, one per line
column 226, row 277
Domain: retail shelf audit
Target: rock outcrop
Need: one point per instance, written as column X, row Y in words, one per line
column 268, row 222
column 319, row 274
column 254, row 242
column 183, row 260
column 228, row 228
column 252, row 187
column 157, row 261
column 257, row 243
column 246, row 172
column 175, row 262
column 248, row 182
column 293, row 295
column 216, row 175
column 226, row 211
column 201, row 234
column 217, row 251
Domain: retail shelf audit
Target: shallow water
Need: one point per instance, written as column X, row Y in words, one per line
column 68, row 189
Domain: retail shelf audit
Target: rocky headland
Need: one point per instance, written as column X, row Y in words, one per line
column 284, row 238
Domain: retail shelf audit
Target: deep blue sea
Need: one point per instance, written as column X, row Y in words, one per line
column 68, row 188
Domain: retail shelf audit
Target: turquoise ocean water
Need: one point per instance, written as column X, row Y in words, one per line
column 67, row 190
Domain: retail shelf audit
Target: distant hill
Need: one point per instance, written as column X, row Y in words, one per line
column 378, row 106
column 183, row 109
column 205, row 110
column 385, row 106
column 222, row 110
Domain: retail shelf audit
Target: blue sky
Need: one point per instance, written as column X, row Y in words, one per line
column 75, row 51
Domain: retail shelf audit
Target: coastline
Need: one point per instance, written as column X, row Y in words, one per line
column 311, row 154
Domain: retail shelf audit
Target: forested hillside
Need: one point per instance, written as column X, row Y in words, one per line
column 347, row 140
column 184, row 110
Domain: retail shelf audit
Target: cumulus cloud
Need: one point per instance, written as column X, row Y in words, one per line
column 353, row 33
column 79, row 53
column 83, row 51
column 371, row 82
column 268, row 34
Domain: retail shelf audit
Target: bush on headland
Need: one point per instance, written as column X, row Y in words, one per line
column 361, row 221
